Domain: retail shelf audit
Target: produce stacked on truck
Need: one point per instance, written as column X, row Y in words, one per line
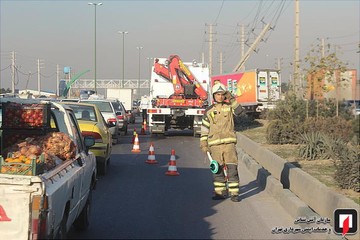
column 29, row 143
column 22, row 165
column 25, row 115
column 52, row 146
column 60, row 145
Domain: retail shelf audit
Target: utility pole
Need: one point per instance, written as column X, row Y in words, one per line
column 296, row 86
column 57, row 79
column 123, row 56
column 210, row 47
column 242, row 41
column 149, row 59
column 251, row 48
column 279, row 60
column 95, row 5
column 13, row 72
column 221, row 63
column 39, row 80
column 138, row 86
column 242, row 44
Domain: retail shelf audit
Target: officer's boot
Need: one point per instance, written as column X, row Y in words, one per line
column 234, row 191
column 220, row 191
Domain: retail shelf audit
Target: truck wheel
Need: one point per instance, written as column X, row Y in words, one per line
column 83, row 220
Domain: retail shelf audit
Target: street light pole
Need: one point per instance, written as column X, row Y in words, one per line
column 123, row 55
column 149, row 59
column 139, row 48
column 95, row 5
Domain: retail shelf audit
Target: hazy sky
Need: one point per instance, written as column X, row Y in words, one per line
column 62, row 32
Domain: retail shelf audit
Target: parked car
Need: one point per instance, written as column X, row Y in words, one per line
column 121, row 115
column 352, row 106
column 357, row 111
column 111, row 114
column 92, row 123
column 119, row 110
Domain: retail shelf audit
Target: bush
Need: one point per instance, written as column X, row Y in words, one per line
column 244, row 121
column 289, row 110
column 293, row 116
column 278, row 132
column 355, row 123
column 348, row 168
column 318, row 145
column 332, row 126
column 324, row 136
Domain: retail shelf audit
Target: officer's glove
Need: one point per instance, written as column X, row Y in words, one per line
column 228, row 96
column 204, row 146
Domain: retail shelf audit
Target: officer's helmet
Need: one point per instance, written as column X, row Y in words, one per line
column 218, row 87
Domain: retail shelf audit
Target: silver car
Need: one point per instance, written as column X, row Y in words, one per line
column 122, row 117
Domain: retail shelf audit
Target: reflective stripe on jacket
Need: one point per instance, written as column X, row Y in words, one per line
column 218, row 124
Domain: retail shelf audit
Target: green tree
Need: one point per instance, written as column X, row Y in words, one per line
column 284, row 87
column 323, row 65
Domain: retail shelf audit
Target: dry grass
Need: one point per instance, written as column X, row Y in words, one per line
column 323, row 170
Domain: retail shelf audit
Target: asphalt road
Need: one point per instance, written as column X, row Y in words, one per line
column 136, row 200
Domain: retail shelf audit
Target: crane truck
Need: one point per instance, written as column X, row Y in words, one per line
column 179, row 93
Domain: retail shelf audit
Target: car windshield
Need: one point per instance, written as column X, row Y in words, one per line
column 117, row 106
column 103, row 106
column 84, row 112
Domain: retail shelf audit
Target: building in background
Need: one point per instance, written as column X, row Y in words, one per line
column 343, row 86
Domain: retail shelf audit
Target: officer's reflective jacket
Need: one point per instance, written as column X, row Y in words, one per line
column 218, row 123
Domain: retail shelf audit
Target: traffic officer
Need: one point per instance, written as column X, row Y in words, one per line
column 144, row 104
column 218, row 137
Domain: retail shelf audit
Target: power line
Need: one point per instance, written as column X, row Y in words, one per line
column 5, row 68
column 345, row 36
column 48, row 76
column 222, row 4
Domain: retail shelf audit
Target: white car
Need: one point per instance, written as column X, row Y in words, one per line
column 357, row 111
column 109, row 114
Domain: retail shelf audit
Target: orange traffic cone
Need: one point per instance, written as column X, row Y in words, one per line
column 134, row 135
column 151, row 156
column 143, row 128
column 136, row 147
column 172, row 171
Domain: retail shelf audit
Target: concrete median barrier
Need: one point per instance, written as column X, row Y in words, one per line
column 298, row 192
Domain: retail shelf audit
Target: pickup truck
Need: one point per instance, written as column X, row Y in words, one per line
column 47, row 204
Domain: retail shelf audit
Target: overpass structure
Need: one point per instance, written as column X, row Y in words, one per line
column 141, row 86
